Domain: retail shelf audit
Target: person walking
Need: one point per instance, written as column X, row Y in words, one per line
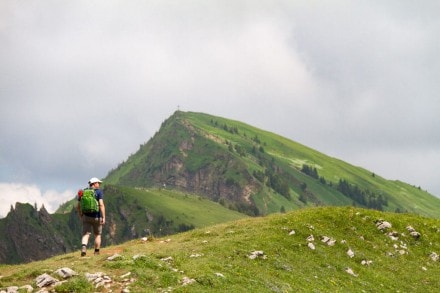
column 92, row 220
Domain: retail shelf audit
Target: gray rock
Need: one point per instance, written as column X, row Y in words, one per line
column 45, row 280
column 66, row 273
column 383, row 225
column 12, row 289
column 434, row 256
column 257, row 254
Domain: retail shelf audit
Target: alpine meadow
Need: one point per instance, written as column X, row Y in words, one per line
column 213, row 204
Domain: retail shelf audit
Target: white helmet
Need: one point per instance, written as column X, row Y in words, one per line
column 94, row 180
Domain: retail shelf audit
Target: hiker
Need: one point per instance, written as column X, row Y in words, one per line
column 93, row 218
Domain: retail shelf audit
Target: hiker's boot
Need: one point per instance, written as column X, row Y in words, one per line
column 96, row 251
column 83, row 250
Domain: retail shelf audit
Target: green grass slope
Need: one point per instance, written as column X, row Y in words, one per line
column 291, row 156
column 175, row 207
column 219, row 258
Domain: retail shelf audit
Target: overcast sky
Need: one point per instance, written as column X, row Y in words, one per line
column 84, row 83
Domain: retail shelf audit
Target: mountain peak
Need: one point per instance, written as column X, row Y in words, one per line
column 258, row 172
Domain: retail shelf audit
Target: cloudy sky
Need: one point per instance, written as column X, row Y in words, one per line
column 84, row 83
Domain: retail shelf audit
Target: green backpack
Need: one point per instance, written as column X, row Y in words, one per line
column 89, row 204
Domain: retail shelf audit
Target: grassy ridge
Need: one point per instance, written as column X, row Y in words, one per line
column 293, row 156
column 217, row 257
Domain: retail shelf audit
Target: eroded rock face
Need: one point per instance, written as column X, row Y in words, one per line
column 209, row 181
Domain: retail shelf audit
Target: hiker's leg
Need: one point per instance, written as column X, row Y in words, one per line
column 97, row 241
column 85, row 238
column 87, row 229
column 97, row 230
column 84, row 241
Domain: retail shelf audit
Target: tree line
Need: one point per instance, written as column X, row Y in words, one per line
column 365, row 197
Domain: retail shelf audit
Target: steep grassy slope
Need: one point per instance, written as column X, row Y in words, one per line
column 219, row 258
column 148, row 212
column 259, row 172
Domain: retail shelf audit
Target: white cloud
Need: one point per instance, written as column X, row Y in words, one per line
column 11, row 193
column 410, row 165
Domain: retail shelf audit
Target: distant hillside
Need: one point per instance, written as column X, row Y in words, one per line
column 131, row 214
column 326, row 249
column 258, row 172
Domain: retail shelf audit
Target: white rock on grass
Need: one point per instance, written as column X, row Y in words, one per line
column 66, row 273
column 99, row 279
column 167, row 259
column 140, row 256
column 91, row 277
column 187, row 281
column 434, row 256
column 45, row 280
column 311, row 246
column 125, row 275
column 410, row 228
column 329, row 241
column 325, row 239
column 351, row 272
column 257, row 254
column 394, row 235
column 383, row 225
column 220, row 275
column 115, row 256
column 102, row 282
column 350, row 253
column 366, row 262
column 10, row 289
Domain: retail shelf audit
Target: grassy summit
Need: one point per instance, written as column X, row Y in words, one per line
column 258, row 172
